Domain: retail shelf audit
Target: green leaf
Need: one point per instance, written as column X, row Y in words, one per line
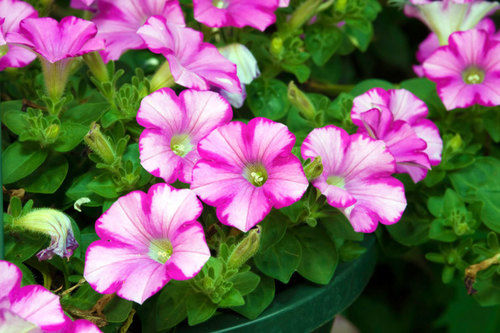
column 104, row 186
column 280, row 260
column 171, row 306
column 492, row 123
column 301, row 71
column 338, row 227
column 13, row 117
column 488, row 290
column 258, row 300
column 273, row 229
column 481, row 182
column 199, row 308
column 231, row 298
column 359, row 31
column 28, row 278
column 441, row 232
column 19, row 161
column 49, row 177
column 79, row 188
column 22, row 246
column 322, row 41
column 268, row 98
column 319, row 254
column 117, row 310
column 245, row 282
column 84, row 298
column 16, row 207
column 71, row 135
column 85, row 114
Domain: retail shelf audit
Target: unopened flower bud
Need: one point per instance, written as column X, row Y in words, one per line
column 276, row 46
column 455, row 142
column 52, row 132
column 246, row 65
column 162, row 77
column 53, row 223
column 314, row 169
column 100, row 144
column 245, row 250
column 301, row 101
column 303, row 14
column 96, row 65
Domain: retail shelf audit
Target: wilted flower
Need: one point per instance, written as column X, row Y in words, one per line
column 57, row 44
column 147, row 240
column 118, row 21
column 246, row 169
column 447, row 16
column 356, row 177
column 246, row 69
column 193, row 63
column 467, row 71
column 12, row 12
column 32, row 308
column 398, row 117
column 174, row 125
column 236, row 13
column 53, row 223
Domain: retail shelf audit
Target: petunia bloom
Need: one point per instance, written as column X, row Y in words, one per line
column 174, row 126
column 12, row 12
column 54, row 224
column 193, row 63
column 398, row 117
column 57, row 44
column 89, row 5
column 118, row 21
column 356, row 177
column 236, row 13
column 246, row 169
column 431, row 44
column 27, row 309
column 147, row 240
column 447, row 16
column 467, row 71
column 247, row 70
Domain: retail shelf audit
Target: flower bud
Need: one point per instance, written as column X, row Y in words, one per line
column 301, row 101
column 53, row 223
column 276, row 46
column 303, row 13
column 246, row 65
column 100, row 144
column 455, row 142
column 52, row 132
column 245, row 250
column 314, row 169
column 162, row 77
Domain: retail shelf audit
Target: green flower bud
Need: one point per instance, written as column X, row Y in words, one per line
column 162, row 78
column 96, row 65
column 301, row 101
column 245, row 250
column 314, row 169
column 276, row 46
column 52, row 132
column 455, row 142
column 100, row 144
column 53, row 223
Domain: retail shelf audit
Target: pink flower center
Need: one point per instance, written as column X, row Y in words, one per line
column 473, row 75
column 220, row 3
column 160, row 250
column 336, row 181
column 256, row 174
column 181, row 145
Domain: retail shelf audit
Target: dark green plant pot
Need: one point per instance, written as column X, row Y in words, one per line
column 305, row 306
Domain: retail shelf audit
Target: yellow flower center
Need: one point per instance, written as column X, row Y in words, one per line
column 473, row 75
column 256, row 174
column 181, row 145
column 160, row 250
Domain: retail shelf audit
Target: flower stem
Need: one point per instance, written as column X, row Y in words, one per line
column 329, row 88
column 162, row 78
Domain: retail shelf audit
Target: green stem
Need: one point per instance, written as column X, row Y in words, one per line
column 162, row 78
column 329, row 88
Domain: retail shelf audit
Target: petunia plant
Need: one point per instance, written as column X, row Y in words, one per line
column 167, row 161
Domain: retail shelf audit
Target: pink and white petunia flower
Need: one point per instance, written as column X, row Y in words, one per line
column 236, row 13
column 147, row 240
column 174, row 126
column 467, row 71
column 27, row 309
column 247, row 70
column 12, row 12
column 57, row 44
column 398, row 117
column 356, row 177
column 193, row 63
column 118, row 21
column 431, row 44
column 447, row 16
column 89, row 5
column 246, row 169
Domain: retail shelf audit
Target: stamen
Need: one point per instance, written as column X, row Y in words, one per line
column 256, row 174
column 220, row 3
column 473, row 75
column 160, row 250
column 180, row 145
